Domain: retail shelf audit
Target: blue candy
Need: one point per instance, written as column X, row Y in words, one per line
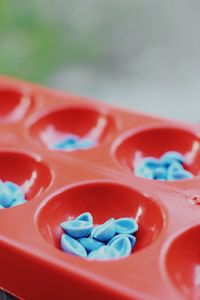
column 72, row 246
column 105, row 231
column 143, row 171
column 16, row 190
column 122, row 245
column 18, row 202
column 90, row 244
column 168, row 167
column 76, row 228
column 169, row 157
column 179, row 175
column 151, row 163
column 6, row 198
column 126, row 225
column 104, row 253
column 86, row 143
column 72, row 143
column 81, row 238
column 132, row 238
column 175, row 166
column 11, row 194
column 87, row 217
column 67, row 143
column 160, row 173
column 177, row 172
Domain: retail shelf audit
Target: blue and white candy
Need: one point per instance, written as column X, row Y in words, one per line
column 11, row 195
column 113, row 239
column 168, row 167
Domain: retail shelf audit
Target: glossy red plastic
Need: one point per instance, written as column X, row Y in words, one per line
column 165, row 263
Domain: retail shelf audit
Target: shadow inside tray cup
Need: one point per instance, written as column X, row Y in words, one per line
column 27, row 171
column 104, row 200
column 82, row 122
column 13, row 104
column 183, row 262
column 154, row 142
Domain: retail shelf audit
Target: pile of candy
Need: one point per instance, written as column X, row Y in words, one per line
column 112, row 240
column 73, row 142
column 170, row 166
column 10, row 194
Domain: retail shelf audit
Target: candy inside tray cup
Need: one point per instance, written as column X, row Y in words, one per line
column 154, row 142
column 14, row 104
column 183, row 262
column 26, row 171
column 104, row 200
column 73, row 128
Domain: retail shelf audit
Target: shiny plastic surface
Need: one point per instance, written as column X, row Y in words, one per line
column 165, row 262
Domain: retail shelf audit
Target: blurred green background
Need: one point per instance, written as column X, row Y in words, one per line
column 140, row 54
column 35, row 43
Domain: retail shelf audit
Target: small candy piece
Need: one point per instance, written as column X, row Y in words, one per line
column 169, row 157
column 17, row 192
column 77, row 229
column 91, row 244
column 11, row 194
column 104, row 253
column 86, row 143
column 179, row 175
column 123, row 246
column 18, row 202
column 131, row 238
column 6, row 198
column 105, row 231
column 143, row 171
column 72, row 143
column 87, row 217
column 177, row 172
column 151, row 163
column 68, row 143
column 70, row 245
column 126, row 225
column 160, row 173
column 175, row 166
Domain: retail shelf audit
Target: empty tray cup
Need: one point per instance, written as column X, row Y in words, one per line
column 14, row 104
column 183, row 262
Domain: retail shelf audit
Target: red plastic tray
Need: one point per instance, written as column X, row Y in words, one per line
column 166, row 261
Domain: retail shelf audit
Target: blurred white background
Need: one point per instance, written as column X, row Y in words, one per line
column 143, row 55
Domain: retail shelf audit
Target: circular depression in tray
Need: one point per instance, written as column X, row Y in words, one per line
column 154, row 141
column 85, row 122
column 14, row 104
column 103, row 200
column 27, row 171
column 183, row 262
